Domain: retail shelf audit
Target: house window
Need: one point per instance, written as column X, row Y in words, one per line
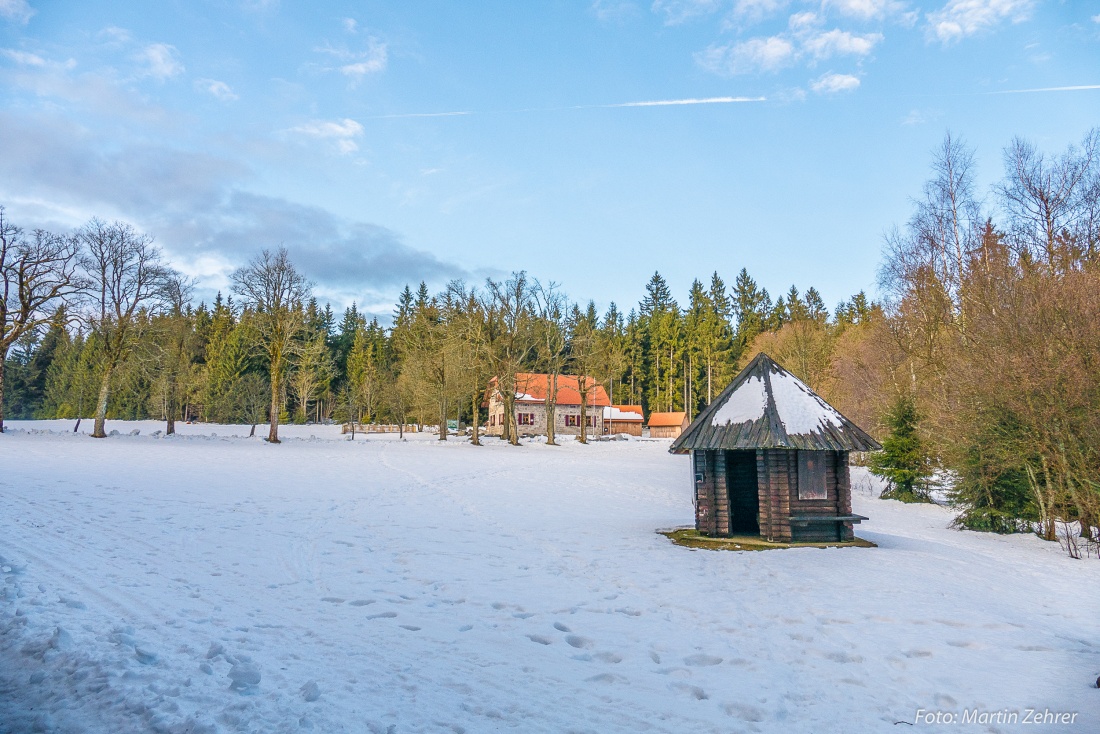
column 572, row 421
column 591, row 421
column 811, row 475
column 525, row 419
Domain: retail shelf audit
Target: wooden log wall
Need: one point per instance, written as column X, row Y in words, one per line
column 705, row 517
column 844, row 493
column 775, row 470
column 721, row 495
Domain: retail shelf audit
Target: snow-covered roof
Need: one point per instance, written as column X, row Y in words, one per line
column 768, row 407
column 623, row 413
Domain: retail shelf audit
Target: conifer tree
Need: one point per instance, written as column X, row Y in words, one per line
column 903, row 461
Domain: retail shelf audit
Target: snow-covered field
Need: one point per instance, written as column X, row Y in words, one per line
column 221, row 584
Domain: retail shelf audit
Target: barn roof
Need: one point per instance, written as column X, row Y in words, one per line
column 666, row 420
column 767, row 407
column 623, row 413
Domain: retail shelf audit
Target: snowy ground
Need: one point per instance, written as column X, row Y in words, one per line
column 218, row 584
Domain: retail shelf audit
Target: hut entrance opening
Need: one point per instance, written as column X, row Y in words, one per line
column 743, row 495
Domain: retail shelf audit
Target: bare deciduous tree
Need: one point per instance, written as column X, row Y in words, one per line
column 275, row 290
column 36, row 273
column 510, row 338
column 1047, row 201
column 550, row 330
column 124, row 275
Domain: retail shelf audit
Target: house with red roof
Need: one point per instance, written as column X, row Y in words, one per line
column 530, row 406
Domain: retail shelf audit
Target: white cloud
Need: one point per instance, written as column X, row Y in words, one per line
column 17, row 11
column 341, row 132
column 217, row 89
column 612, row 10
column 756, row 54
column 678, row 11
column 961, row 18
column 753, row 11
column 160, row 61
column 804, row 21
column 359, row 63
column 832, row 83
column 115, row 35
column 351, row 25
column 840, row 43
column 867, row 9
column 1096, row 18
column 22, row 57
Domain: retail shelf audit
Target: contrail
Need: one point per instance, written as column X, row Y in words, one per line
column 674, row 102
column 420, row 114
column 1048, row 89
column 645, row 103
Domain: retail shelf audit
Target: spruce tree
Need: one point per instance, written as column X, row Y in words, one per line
column 903, row 461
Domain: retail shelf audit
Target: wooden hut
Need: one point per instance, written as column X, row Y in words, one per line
column 770, row 458
column 666, row 425
column 623, row 419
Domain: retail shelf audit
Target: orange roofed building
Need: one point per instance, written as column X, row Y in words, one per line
column 667, row 425
column 623, row 419
column 531, row 391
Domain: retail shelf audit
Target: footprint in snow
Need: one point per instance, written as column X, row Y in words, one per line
column 361, row 602
column 694, row 691
column 561, row 627
column 702, row 659
column 539, row 639
column 608, row 657
column 578, row 642
column 744, row 712
column 523, row 615
column 917, row 653
column 409, row 627
column 332, row 599
column 382, row 615
column 843, row 657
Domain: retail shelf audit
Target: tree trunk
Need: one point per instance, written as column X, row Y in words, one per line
column 551, row 412
column 273, row 432
column 101, row 405
column 3, row 357
column 443, row 419
column 252, row 432
column 170, row 409
column 584, row 415
column 474, row 421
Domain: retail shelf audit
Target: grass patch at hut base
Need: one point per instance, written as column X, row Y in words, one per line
column 691, row 538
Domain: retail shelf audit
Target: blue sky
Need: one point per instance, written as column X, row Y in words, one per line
column 389, row 142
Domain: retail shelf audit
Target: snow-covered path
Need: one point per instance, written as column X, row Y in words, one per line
column 415, row 586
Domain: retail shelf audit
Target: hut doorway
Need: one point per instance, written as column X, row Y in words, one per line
column 743, row 494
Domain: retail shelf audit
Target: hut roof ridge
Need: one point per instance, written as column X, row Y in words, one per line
column 768, row 407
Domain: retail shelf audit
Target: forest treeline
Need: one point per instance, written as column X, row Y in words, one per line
column 978, row 364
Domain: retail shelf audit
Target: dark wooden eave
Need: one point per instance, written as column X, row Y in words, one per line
column 768, row 432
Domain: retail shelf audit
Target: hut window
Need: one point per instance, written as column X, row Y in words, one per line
column 526, row 419
column 811, row 475
column 572, row 420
